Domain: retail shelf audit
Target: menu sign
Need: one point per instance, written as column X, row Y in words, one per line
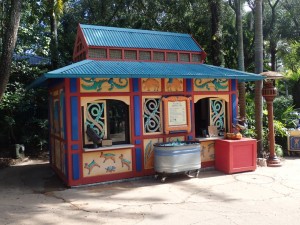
column 177, row 113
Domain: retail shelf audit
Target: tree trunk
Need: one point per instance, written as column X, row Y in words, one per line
column 9, row 42
column 216, row 32
column 54, row 40
column 272, row 34
column 241, row 66
column 273, row 52
column 258, row 69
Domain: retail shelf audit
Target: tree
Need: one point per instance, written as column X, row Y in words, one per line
column 216, row 32
column 55, row 10
column 291, row 60
column 273, row 35
column 9, row 42
column 236, row 6
column 258, row 69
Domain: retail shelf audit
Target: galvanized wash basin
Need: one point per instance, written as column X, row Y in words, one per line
column 176, row 157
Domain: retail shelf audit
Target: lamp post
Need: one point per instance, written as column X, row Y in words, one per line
column 269, row 92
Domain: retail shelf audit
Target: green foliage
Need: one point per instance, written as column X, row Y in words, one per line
column 284, row 111
column 24, row 111
column 279, row 150
column 284, row 118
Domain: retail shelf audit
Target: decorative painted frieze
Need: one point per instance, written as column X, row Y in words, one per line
column 211, row 84
column 174, row 84
column 104, row 84
column 151, row 85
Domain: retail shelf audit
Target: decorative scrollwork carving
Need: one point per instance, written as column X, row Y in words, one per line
column 152, row 120
column 95, row 118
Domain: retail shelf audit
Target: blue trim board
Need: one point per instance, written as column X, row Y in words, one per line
column 75, row 147
column 138, row 142
column 73, row 85
column 138, row 159
column 74, row 118
column 135, row 84
column 233, row 85
column 234, row 107
column 189, row 85
column 75, row 166
column 190, row 137
column 137, row 115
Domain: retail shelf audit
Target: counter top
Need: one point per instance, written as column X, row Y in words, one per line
column 209, row 138
column 113, row 147
column 238, row 140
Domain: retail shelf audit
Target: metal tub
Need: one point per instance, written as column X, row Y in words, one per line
column 176, row 157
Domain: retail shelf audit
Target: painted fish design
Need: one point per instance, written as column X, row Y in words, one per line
column 110, row 169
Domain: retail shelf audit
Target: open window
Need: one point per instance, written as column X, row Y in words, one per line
column 108, row 118
column 210, row 112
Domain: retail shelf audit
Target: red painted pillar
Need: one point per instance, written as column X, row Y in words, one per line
column 269, row 92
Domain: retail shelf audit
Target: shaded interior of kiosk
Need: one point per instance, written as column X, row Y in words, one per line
column 204, row 119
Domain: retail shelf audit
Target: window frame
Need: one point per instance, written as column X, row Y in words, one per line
column 107, row 106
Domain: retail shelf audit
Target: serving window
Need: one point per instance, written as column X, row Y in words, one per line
column 108, row 118
column 210, row 111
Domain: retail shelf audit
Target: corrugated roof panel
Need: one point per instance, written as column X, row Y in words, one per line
column 134, row 69
column 134, row 38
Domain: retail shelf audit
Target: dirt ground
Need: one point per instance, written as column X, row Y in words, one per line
column 7, row 160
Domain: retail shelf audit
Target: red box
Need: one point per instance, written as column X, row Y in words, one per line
column 233, row 156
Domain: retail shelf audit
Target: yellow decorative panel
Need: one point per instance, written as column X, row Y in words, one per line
column 199, row 97
column 149, row 152
column 104, row 85
column 211, row 84
column 151, row 84
column 174, row 84
column 207, row 151
column 174, row 139
column 106, row 162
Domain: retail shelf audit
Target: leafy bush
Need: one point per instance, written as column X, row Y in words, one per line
column 24, row 112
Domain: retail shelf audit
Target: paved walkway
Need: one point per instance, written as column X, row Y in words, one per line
column 31, row 194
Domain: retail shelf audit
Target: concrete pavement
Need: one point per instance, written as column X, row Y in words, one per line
column 30, row 193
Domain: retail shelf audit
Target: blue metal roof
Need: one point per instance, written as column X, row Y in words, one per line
column 135, row 38
column 134, row 69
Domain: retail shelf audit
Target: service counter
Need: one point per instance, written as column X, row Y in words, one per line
column 208, row 150
column 232, row 156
